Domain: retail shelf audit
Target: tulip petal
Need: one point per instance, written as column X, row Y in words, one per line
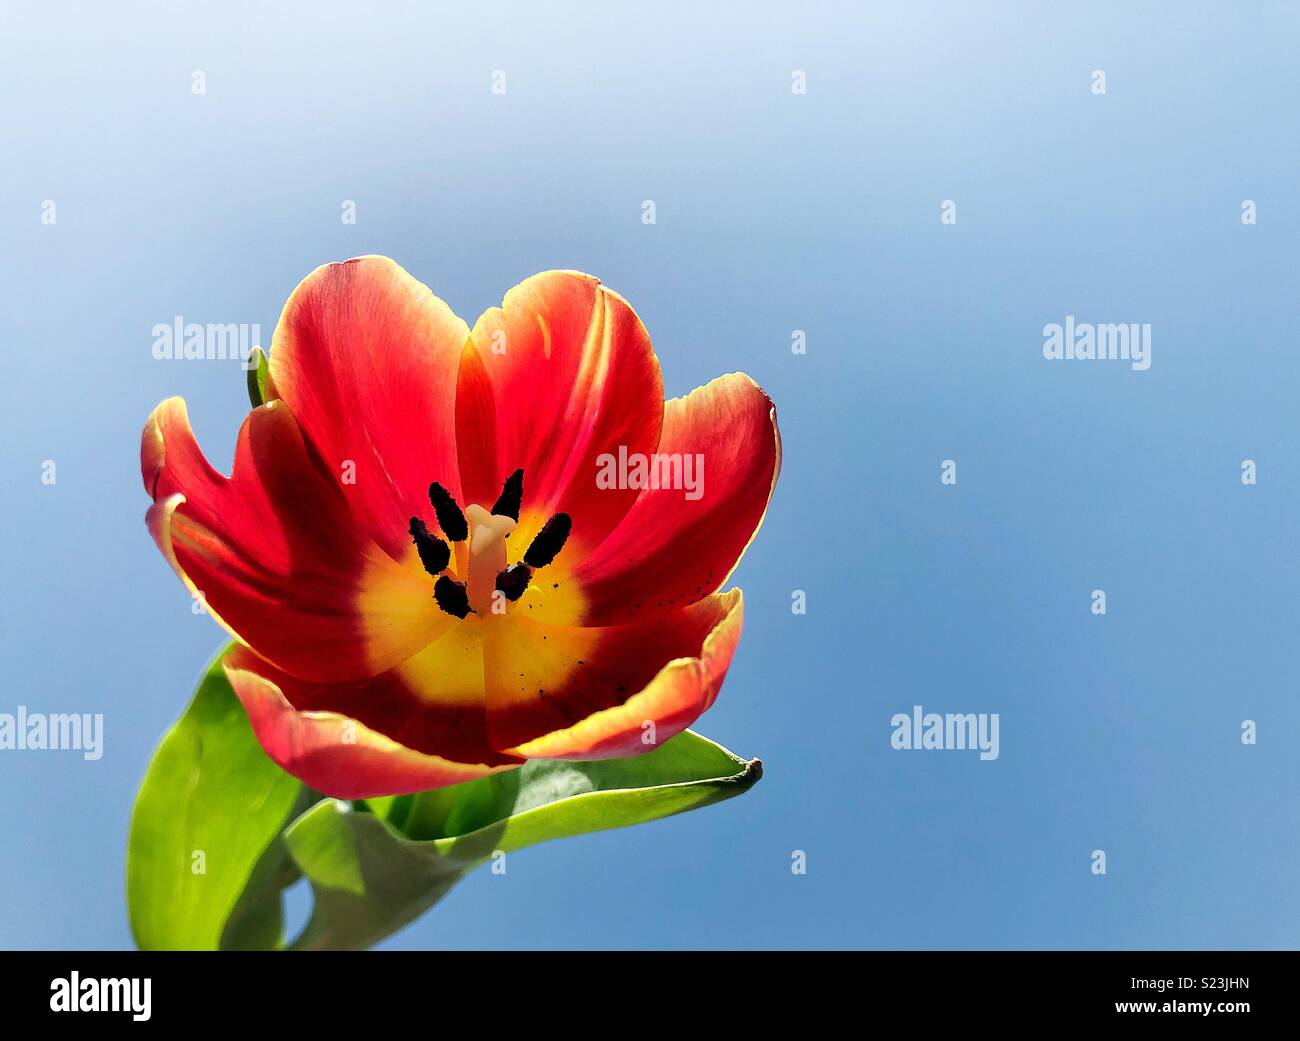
column 670, row 549
column 276, row 553
column 560, row 374
column 556, row 692
column 330, row 752
column 431, row 703
column 366, row 358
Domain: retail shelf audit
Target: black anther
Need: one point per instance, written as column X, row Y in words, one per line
column 435, row 554
column 512, row 581
column 450, row 518
column 549, row 541
column 451, row 596
column 511, row 497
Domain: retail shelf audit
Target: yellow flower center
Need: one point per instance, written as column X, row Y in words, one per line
column 483, row 583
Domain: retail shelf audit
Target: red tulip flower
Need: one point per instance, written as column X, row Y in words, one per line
column 444, row 551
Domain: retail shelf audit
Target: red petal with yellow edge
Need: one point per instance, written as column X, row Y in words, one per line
column 431, row 704
column 366, row 357
column 560, row 374
column 589, row 693
column 277, row 555
column 336, row 755
column 671, row 550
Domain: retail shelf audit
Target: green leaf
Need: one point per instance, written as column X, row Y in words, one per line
column 373, row 868
column 257, row 368
column 206, row 824
column 378, row 866
column 257, row 921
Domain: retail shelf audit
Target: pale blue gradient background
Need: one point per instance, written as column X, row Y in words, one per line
column 775, row 213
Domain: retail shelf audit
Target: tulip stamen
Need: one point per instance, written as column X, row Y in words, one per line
column 451, row 596
column 482, row 570
column 512, row 581
column 435, row 554
column 450, row 518
column 548, row 542
column 545, row 547
column 511, row 497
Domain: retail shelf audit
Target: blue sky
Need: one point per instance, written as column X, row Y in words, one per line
column 775, row 212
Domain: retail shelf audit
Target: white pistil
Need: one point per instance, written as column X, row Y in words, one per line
column 487, row 555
